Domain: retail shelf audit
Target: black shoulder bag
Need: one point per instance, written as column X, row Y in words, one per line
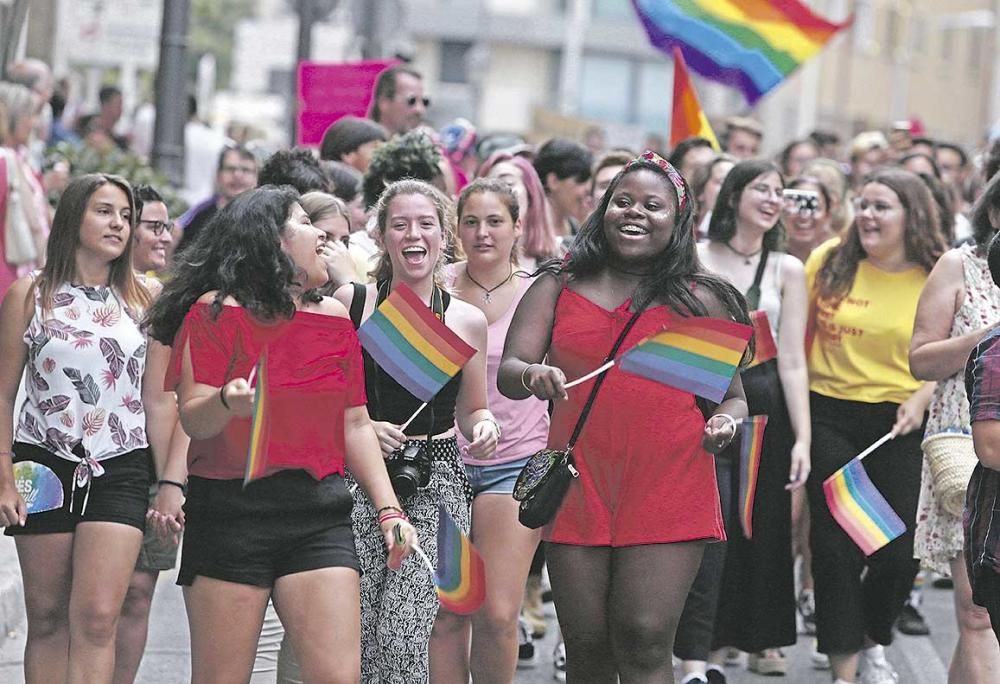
column 542, row 483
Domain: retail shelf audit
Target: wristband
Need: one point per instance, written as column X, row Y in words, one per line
column 179, row 485
column 394, row 516
column 525, row 372
column 389, row 508
column 222, row 397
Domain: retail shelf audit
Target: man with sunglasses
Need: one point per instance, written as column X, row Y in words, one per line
column 399, row 102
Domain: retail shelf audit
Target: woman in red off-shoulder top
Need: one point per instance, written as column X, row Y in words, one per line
column 243, row 297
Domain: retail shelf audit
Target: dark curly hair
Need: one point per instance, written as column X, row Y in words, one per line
column 298, row 168
column 983, row 229
column 238, row 255
column 722, row 226
column 411, row 155
column 921, row 235
column 678, row 272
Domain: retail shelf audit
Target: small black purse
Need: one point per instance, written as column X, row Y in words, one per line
column 542, row 483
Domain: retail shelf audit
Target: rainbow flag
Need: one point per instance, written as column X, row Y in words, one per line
column 751, row 447
column 860, row 508
column 765, row 347
column 259, row 424
column 752, row 45
column 408, row 341
column 699, row 355
column 687, row 119
column 461, row 576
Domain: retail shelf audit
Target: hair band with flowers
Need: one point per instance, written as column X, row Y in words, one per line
column 668, row 168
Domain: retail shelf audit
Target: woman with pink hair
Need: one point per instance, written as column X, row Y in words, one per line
column 539, row 240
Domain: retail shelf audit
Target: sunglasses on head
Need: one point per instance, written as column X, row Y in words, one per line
column 412, row 100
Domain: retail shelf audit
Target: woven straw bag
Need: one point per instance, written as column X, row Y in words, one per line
column 951, row 460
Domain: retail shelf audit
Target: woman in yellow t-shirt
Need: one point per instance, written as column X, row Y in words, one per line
column 863, row 294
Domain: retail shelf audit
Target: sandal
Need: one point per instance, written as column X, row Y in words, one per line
column 768, row 662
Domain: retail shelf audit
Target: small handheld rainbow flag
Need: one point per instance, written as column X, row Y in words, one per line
column 408, row 341
column 751, row 447
column 860, row 508
column 461, row 575
column 687, row 119
column 259, row 425
column 765, row 348
column 698, row 355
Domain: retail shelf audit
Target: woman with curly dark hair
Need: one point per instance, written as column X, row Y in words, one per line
column 411, row 155
column 864, row 291
column 287, row 534
column 646, row 496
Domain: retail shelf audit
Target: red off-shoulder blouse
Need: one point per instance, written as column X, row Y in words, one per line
column 315, row 373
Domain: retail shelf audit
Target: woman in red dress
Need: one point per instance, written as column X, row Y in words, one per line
column 628, row 539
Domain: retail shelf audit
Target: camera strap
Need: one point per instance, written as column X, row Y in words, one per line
column 600, row 380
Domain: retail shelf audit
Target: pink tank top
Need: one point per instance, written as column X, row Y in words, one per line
column 524, row 423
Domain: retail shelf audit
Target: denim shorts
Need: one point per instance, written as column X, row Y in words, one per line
column 494, row 478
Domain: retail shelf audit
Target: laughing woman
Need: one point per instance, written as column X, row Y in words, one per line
column 405, row 638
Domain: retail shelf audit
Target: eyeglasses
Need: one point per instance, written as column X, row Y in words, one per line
column 412, row 100
column 246, row 170
column 879, row 209
column 158, row 226
column 765, row 191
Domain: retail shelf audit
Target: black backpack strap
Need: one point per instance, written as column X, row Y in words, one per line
column 753, row 294
column 358, row 304
column 600, row 380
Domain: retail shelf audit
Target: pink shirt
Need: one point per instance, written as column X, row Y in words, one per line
column 524, row 423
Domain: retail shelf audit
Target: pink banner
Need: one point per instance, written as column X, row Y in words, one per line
column 328, row 92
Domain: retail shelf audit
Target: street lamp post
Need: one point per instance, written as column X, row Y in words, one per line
column 171, row 103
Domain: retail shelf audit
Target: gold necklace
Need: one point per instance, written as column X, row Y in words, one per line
column 488, row 291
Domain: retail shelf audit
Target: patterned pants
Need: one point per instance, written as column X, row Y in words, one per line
column 398, row 608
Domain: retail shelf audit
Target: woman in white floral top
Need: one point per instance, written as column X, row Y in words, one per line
column 74, row 459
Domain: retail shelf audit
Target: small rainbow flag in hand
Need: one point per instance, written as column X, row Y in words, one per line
column 699, row 355
column 751, row 447
column 461, row 576
column 259, row 425
column 860, row 508
column 408, row 341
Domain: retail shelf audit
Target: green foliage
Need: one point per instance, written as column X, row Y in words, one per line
column 131, row 167
column 212, row 29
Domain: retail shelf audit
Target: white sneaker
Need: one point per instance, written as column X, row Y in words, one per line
column 559, row 662
column 820, row 661
column 873, row 668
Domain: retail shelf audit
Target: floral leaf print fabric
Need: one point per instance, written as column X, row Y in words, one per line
column 80, row 348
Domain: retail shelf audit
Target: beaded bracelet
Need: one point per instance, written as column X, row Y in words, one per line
column 496, row 426
column 394, row 516
column 389, row 508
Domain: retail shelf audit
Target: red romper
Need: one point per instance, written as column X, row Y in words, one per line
column 644, row 477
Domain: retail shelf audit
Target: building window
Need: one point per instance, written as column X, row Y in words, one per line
column 454, row 61
column 654, row 95
column 976, row 45
column 612, row 9
column 864, row 25
column 605, row 87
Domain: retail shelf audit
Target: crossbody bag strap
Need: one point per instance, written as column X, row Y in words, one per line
column 753, row 294
column 600, row 380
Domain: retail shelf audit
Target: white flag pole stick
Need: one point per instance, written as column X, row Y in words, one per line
column 589, row 375
column 426, row 560
column 879, row 442
column 410, row 419
column 253, row 374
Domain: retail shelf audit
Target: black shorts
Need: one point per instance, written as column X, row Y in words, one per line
column 279, row 525
column 120, row 495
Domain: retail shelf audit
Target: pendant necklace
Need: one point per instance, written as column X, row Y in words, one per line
column 747, row 256
column 488, row 291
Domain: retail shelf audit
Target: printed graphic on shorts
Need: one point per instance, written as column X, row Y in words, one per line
column 38, row 486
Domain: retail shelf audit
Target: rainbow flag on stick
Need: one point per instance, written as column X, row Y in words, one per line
column 698, row 355
column 260, row 423
column 408, row 341
column 461, row 575
column 860, row 508
column 752, row 45
column 687, row 119
column 751, row 448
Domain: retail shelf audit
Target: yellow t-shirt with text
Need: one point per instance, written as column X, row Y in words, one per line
column 860, row 348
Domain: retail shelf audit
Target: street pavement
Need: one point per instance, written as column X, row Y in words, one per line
column 919, row 660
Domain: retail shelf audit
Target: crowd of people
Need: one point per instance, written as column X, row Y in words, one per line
column 134, row 346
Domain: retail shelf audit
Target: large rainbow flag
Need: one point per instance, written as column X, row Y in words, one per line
column 259, row 425
column 751, row 448
column 752, row 45
column 461, row 575
column 860, row 508
column 699, row 355
column 408, row 341
column 687, row 119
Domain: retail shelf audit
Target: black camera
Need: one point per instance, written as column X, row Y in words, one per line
column 802, row 202
column 409, row 468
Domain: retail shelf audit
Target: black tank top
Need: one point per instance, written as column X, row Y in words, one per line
column 390, row 401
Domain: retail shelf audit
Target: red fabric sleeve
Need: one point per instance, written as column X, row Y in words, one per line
column 356, row 395
column 212, row 343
